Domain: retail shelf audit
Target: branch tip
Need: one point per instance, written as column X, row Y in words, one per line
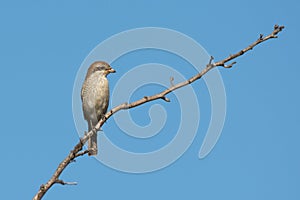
column 211, row 59
column 230, row 65
column 277, row 29
column 210, row 63
column 165, row 99
column 58, row 181
column 171, row 81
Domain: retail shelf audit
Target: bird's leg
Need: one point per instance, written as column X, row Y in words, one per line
column 102, row 117
column 90, row 125
column 92, row 128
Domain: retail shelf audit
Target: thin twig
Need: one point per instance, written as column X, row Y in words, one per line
column 65, row 183
column 81, row 153
column 172, row 81
column 77, row 149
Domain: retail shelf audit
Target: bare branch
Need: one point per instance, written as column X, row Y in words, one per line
column 76, row 152
column 261, row 39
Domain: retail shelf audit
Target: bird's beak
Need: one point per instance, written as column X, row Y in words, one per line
column 111, row 70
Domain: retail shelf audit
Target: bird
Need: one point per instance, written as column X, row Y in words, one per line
column 95, row 98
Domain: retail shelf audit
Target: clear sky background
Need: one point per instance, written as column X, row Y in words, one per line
column 43, row 44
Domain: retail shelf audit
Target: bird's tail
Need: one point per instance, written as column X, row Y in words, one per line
column 92, row 143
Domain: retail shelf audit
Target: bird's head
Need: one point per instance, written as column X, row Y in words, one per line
column 100, row 67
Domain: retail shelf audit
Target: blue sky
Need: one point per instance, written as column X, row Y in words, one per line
column 43, row 44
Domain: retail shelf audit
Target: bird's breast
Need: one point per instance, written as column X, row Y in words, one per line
column 95, row 96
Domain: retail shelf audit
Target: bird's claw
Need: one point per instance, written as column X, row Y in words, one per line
column 91, row 151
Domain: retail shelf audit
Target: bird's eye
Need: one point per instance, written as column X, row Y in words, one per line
column 100, row 68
